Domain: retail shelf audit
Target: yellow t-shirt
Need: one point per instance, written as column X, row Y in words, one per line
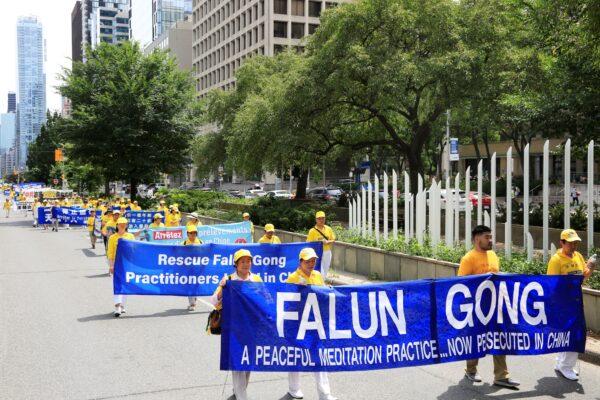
column 109, row 226
column 6, row 204
column 173, row 219
column 315, row 236
column 90, row 223
column 560, row 264
column 159, row 225
column 477, row 263
column 111, row 248
column 187, row 242
column 234, row 277
column 299, row 277
column 274, row 240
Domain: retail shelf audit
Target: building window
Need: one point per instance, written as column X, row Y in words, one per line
column 122, row 21
column 297, row 30
column 314, row 9
column 106, row 13
column 298, row 7
column 280, row 7
column 122, row 29
column 107, row 31
column 280, row 29
column 278, row 48
column 312, row 28
column 107, row 22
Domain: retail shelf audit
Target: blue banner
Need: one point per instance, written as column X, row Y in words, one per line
column 44, row 215
column 71, row 215
column 155, row 269
column 139, row 220
column 239, row 232
column 400, row 324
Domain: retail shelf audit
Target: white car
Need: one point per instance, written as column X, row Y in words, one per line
column 251, row 194
column 280, row 194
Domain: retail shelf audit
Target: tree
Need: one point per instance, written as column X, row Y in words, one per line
column 40, row 154
column 133, row 115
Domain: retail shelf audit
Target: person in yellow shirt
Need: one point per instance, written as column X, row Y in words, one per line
column 568, row 261
column 157, row 221
column 6, row 206
column 135, row 206
column 173, row 218
column 306, row 275
column 193, row 219
column 483, row 260
column 192, row 240
column 322, row 233
column 269, row 236
column 111, row 253
column 110, row 226
column 90, row 227
column 242, row 260
column 246, row 217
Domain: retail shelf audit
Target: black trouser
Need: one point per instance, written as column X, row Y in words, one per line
column 105, row 240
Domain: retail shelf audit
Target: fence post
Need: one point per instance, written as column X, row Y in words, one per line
column 545, row 199
column 590, row 198
column 468, row 207
column 525, row 193
column 479, row 191
column 364, row 212
column 457, row 208
column 529, row 247
column 395, row 203
column 376, row 208
column 493, row 200
column 406, row 207
column 350, row 214
column 412, row 215
column 434, row 205
column 370, row 208
column 448, row 230
column 507, row 226
column 385, row 206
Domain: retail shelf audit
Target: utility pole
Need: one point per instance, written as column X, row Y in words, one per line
column 446, row 153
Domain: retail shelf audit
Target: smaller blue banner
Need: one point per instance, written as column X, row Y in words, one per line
column 71, row 216
column 239, row 232
column 139, row 220
column 44, row 215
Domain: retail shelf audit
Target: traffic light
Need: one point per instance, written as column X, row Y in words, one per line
column 58, row 155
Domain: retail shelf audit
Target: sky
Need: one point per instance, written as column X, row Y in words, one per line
column 55, row 16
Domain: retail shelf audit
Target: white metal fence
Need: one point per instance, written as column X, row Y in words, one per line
column 422, row 210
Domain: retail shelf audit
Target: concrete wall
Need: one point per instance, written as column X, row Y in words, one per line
column 389, row 266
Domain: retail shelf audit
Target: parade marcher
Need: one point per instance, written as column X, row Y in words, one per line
column 157, row 221
column 568, row 261
column 193, row 219
column 269, row 236
column 306, row 275
column 246, row 217
column 242, row 260
column 55, row 208
column 36, row 206
column 91, row 221
column 322, row 233
column 483, row 260
column 110, row 227
column 111, row 253
column 106, row 217
column 192, row 239
column 7, row 205
column 135, row 206
column 173, row 217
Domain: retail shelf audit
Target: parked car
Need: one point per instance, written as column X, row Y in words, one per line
column 329, row 193
column 152, row 188
column 280, row 194
column 254, row 193
column 235, row 193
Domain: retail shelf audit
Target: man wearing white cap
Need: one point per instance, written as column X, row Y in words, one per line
column 306, row 275
column 568, row 261
column 322, row 233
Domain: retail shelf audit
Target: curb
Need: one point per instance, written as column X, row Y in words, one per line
column 590, row 356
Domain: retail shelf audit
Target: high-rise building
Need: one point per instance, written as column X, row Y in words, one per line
column 12, row 102
column 165, row 13
column 8, row 130
column 32, row 84
column 140, row 17
column 227, row 32
column 104, row 21
column 178, row 41
column 76, row 32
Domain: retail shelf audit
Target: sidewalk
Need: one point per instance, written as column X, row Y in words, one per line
column 592, row 347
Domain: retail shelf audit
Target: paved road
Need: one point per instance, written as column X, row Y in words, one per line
column 59, row 340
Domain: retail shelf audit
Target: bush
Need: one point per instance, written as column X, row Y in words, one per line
column 286, row 214
column 192, row 200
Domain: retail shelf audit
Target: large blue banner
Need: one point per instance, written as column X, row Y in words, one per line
column 139, row 220
column 156, row 269
column 44, row 215
column 239, row 232
column 400, row 324
column 71, row 215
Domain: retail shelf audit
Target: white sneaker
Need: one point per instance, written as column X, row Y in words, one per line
column 117, row 311
column 296, row 394
column 123, row 310
column 569, row 374
column 328, row 397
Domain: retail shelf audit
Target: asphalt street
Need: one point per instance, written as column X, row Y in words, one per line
column 59, row 340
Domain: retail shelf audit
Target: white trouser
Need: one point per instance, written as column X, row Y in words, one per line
column 192, row 300
column 325, row 263
column 320, row 377
column 119, row 299
column 566, row 360
column 240, row 384
column 7, row 212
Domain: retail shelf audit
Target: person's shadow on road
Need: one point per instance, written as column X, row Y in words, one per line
column 548, row 386
column 167, row 313
column 90, row 253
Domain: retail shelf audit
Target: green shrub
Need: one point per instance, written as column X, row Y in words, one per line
column 286, row 214
column 192, row 200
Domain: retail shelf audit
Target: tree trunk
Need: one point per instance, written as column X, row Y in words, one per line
column 415, row 167
column 486, row 142
column 106, row 186
column 133, row 189
column 475, row 144
column 301, row 183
